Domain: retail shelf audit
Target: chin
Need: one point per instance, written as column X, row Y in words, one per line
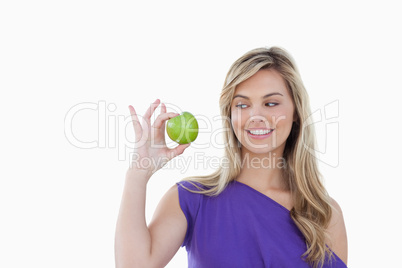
column 258, row 150
column 262, row 149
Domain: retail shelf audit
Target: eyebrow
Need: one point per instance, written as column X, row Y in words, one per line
column 266, row 96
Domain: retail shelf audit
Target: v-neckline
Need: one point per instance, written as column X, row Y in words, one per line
column 262, row 194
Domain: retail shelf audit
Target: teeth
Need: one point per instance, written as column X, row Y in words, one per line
column 260, row 132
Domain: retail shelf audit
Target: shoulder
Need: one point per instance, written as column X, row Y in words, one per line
column 190, row 185
column 168, row 214
column 170, row 201
column 188, row 194
column 337, row 232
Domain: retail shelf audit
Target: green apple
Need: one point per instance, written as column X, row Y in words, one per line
column 182, row 128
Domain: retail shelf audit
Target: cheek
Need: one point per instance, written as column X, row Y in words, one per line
column 283, row 119
column 236, row 121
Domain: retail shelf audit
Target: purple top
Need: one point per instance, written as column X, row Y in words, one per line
column 241, row 228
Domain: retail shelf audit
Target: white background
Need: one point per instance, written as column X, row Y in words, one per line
column 59, row 201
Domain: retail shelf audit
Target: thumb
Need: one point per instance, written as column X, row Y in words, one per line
column 180, row 149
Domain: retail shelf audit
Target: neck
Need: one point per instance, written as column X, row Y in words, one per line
column 264, row 171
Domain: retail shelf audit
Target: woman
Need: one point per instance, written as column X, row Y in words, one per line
column 265, row 207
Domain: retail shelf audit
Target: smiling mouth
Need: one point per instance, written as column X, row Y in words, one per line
column 260, row 131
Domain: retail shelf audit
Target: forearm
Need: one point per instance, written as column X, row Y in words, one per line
column 132, row 238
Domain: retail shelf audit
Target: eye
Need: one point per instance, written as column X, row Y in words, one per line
column 241, row 106
column 271, row 104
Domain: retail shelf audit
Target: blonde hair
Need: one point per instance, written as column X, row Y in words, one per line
column 312, row 210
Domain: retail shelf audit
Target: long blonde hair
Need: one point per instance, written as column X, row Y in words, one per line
column 312, row 210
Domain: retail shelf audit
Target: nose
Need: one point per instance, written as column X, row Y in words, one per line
column 257, row 119
column 257, row 116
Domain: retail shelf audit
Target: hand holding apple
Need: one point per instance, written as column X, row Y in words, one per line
column 150, row 150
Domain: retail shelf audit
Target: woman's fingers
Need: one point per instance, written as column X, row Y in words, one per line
column 161, row 119
column 136, row 122
column 179, row 149
column 163, row 110
column 150, row 111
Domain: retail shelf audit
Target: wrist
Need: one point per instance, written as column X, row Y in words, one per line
column 139, row 174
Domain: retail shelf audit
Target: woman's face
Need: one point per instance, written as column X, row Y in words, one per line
column 262, row 113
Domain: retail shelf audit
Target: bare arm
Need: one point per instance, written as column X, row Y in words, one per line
column 337, row 233
column 168, row 228
column 136, row 244
column 132, row 238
